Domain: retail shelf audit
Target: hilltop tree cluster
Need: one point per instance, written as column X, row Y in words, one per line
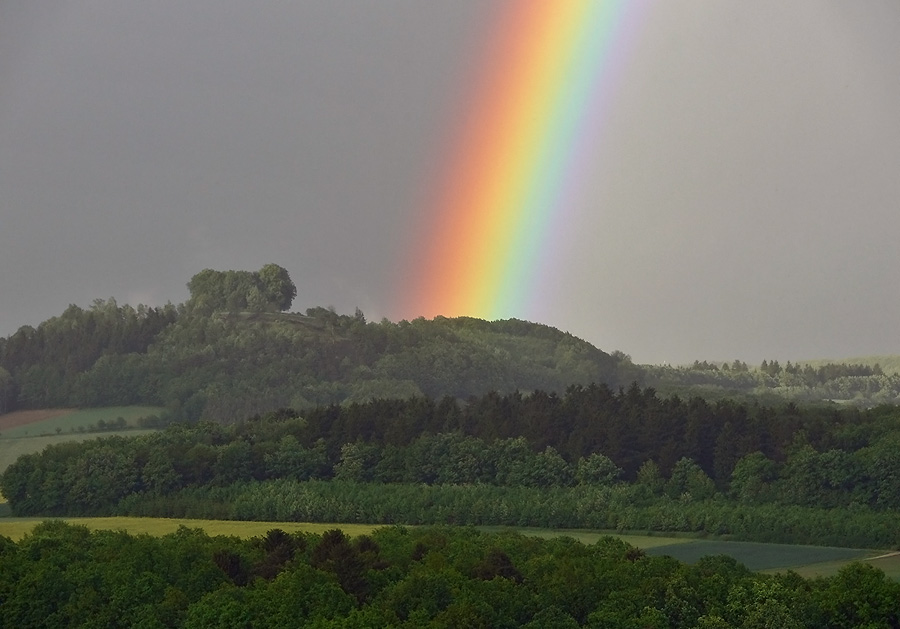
column 268, row 290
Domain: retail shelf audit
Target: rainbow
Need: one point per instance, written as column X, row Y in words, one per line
column 495, row 216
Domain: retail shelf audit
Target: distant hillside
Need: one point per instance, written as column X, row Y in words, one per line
column 890, row 363
column 230, row 352
column 202, row 362
column 863, row 382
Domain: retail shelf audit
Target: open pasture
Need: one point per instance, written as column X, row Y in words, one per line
column 587, row 536
column 16, row 528
column 27, row 432
column 807, row 560
column 15, row 419
column 12, row 449
column 889, row 564
column 69, row 421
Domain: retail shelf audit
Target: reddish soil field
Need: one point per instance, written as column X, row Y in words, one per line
column 20, row 418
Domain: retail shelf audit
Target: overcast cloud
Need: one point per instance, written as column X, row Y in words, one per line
column 745, row 202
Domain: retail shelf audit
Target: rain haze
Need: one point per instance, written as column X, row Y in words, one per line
column 744, row 202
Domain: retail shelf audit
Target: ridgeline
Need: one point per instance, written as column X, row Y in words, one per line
column 231, row 352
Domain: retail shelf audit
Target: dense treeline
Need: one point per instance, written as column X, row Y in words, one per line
column 47, row 366
column 62, row 575
column 859, row 384
column 622, row 507
column 670, row 452
column 630, row 426
column 837, row 456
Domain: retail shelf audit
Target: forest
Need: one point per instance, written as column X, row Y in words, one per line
column 204, row 360
column 592, row 458
column 440, row 426
column 65, row 576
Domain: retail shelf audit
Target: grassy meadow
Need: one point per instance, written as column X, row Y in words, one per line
column 26, row 432
column 769, row 557
column 16, row 528
column 75, row 421
column 12, row 448
column 889, row 564
column 809, row 561
column 586, row 536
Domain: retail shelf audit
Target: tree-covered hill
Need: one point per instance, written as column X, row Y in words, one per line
column 230, row 352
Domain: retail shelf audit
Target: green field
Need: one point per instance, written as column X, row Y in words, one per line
column 81, row 420
column 16, row 528
column 890, row 565
column 809, row 560
column 74, row 425
column 12, row 449
column 586, row 536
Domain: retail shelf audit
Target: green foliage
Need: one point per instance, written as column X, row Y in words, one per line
column 289, row 459
column 751, row 480
column 650, row 479
column 64, row 575
column 622, row 508
column 689, row 482
column 357, row 462
column 597, row 469
column 862, row 382
column 860, row 596
column 7, row 391
column 229, row 353
column 46, row 363
column 198, row 470
column 268, row 290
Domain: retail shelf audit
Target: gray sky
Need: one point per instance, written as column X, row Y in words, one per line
column 745, row 201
